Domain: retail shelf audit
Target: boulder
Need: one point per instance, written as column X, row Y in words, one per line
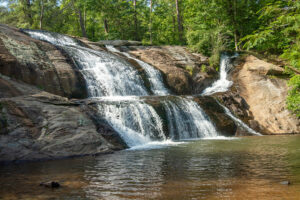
column 258, row 97
column 182, row 70
column 39, row 125
column 39, row 63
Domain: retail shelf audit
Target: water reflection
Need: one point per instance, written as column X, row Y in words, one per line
column 247, row 168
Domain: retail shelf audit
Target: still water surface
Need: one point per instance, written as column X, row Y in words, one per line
column 243, row 168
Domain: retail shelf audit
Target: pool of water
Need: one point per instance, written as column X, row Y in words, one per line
column 242, row 168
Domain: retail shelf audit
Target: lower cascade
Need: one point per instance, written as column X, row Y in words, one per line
column 187, row 120
column 135, row 121
column 138, row 122
column 124, row 101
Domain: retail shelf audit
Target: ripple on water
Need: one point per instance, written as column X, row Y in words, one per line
column 245, row 168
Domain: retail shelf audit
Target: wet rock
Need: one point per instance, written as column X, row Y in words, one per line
column 50, row 184
column 224, row 124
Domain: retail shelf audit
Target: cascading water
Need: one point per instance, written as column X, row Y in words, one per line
column 153, row 75
column 118, row 90
column 104, row 73
column 223, row 84
column 187, row 120
column 239, row 122
column 135, row 121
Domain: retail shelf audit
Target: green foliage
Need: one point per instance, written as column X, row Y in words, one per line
column 279, row 34
column 102, row 19
column 293, row 100
column 190, row 69
column 209, row 26
column 216, row 25
column 203, row 68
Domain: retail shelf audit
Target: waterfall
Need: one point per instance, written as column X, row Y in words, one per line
column 239, row 122
column 187, row 120
column 104, row 73
column 135, row 121
column 122, row 98
column 153, row 75
column 223, row 84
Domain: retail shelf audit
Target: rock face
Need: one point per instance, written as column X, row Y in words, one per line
column 259, row 96
column 37, row 120
column 38, row 125
column 184, row 72
column 38, row 63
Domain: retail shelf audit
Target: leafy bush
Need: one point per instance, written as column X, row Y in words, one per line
column 293, row 100
column 281, row 35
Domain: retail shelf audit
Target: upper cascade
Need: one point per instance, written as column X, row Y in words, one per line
column 153, row 75
column 222, row 84
column 105, row 73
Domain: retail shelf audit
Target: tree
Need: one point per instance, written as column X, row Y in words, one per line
column 280, row 34
column 179, row 22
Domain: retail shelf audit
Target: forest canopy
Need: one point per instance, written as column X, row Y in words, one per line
column 269, row 27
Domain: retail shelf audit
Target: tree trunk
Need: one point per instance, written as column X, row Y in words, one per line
column 105, row 25
column 150, row 26
column 81, row 21
column 27, row 11
column 174, row 24
column 41, row 14
column 179, row 22
column 232, row 12
column 235, row 26
column 84, row 15
column 136, row 34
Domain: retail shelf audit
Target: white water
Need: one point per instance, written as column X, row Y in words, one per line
column 156, row 145
column 153, row 75
column 136, row 122
column 53, row 38
column 105, row 74
column 239, row 122
column 223, row 84
column 187, row 120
